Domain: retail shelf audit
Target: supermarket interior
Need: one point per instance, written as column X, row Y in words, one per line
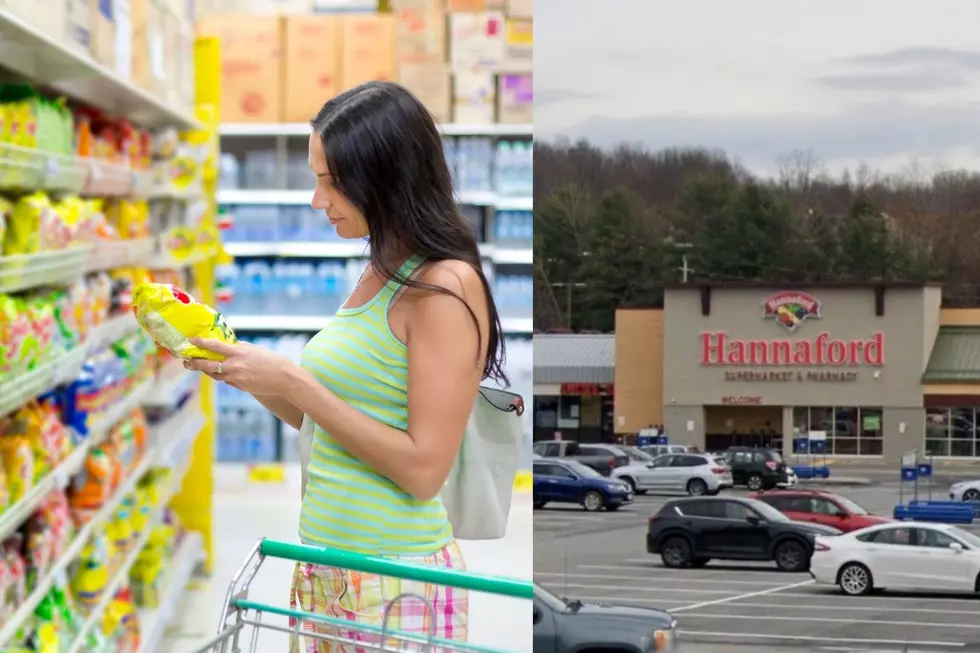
column 166, row 141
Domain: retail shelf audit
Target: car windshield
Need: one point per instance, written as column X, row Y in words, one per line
column 554, row 602
column 767, row 512
column 582, row 470
column 851, row 506
column 965, row 536
column 637, row 455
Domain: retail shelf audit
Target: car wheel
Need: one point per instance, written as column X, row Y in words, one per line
column 791, row 556
column 700, row 562
column 630, row 482
column 675, row 553
column 697, row 487
column 971, row 495
column 539, row 504
column 855, row 579
column 593, row 501
column 754, row 483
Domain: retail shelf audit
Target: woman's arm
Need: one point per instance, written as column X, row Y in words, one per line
column 445, row 365
column 282, row 408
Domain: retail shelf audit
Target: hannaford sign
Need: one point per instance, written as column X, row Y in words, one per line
column 790, row 309
column 718, row 348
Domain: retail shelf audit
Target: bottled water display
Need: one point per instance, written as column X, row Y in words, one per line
column 272, row 223
column 513, row 294
column 247, row 432
column 513, row 163
column 286, row 286
column 513, row 228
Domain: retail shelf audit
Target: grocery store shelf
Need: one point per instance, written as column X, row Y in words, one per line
column 303, row 129
column 29, row 52
column 24, row 271
column 29, row 169
column 111, row 254
column 112, row 329
column 167, row 260
column 302, row 197
column 172, row 383
column 154, row 621
column 190, row 193
column 302, row 323
column 353, row 249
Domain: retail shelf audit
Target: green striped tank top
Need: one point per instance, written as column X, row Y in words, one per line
column 347, row 504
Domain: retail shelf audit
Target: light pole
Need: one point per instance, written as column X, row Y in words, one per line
column 568, row 298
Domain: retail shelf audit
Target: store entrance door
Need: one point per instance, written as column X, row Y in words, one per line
column 743, row 426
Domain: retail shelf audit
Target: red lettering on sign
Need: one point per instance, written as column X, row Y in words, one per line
column 718, row 348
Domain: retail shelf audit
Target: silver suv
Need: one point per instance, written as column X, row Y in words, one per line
column 696, row 474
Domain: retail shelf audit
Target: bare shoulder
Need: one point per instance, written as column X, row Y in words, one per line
column 456, row 276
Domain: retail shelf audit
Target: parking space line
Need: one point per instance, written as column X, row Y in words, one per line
column 701, row 573
column 847, row 608
column 664, row 591
column 663, row 579
column 747, row 595
column 808, row 619
column 821, row 640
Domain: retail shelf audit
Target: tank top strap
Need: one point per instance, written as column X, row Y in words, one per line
column 390, row 290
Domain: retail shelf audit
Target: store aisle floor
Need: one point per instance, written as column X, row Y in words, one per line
column 245, row 512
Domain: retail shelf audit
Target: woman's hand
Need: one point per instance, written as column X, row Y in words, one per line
column 253, row 369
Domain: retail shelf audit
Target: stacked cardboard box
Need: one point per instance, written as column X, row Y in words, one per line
column 283, row 68
column 468, row 60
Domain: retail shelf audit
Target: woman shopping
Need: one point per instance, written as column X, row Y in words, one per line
column 389, row 383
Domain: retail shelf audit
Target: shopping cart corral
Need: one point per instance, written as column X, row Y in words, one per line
column 242, row 618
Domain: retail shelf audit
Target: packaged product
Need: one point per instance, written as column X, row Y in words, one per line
column 91, row 576
column 91, row 488
column 101, row 293
column 18, row 463
column 172, row 317
column 15, row 329
column 5, row 503
column 23, row 234
column 41, row 313
column 30, row 346
column 6, row 208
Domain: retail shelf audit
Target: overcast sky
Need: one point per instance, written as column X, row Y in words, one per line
column 887, row 82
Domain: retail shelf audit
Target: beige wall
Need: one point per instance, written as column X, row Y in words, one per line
column 639, row 377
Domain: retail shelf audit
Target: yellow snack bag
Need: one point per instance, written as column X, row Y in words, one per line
column 24, row 225
column 171, row 317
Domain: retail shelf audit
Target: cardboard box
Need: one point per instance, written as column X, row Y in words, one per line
column 520, row 8
column 476, row 41
column 473, row 98
column 515, row 99
column 421, row 31
column 104, row 32
column 519, row 46
column 311, row 64
column 171, row 55
column 53, row 21
column 185, row 65
column 431, row 83
column 468, row 6
column 123, row 56
column 285, row 7
column 368, row 49
column 251, row 66
column 147, row 48
column 78, row 32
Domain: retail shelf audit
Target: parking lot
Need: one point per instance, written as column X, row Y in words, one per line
column 601, row 557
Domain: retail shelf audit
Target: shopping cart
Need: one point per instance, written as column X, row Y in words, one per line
column 240, row 613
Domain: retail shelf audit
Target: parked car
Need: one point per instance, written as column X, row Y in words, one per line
column 965, row 491
column 691, row 532
column 569, row 481
column 570, row 626
column 791, row 480
column 907, row 556
column 821, row 507
column 602, row 458
column 661, row 449
column 755, row 468
column 692, row 473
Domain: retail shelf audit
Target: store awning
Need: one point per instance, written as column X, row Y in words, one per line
column 574, row 358
column 955, row 356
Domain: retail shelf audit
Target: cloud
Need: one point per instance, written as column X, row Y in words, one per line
column 544, row 96
column 918, row 56
column 919, row 80
column 865, row 131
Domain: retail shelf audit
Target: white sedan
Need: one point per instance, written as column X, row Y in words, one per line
column 965, row 491
column 916, row 556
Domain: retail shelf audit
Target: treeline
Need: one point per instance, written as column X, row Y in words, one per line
column 611, row 227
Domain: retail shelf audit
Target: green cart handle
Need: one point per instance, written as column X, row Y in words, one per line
column 386, row 567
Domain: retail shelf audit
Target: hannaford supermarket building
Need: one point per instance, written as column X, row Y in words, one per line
column 880, row 369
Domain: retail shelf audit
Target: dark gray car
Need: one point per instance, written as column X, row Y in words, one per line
column 568, row 626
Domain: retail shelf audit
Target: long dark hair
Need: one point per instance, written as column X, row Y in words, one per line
column 385, row 155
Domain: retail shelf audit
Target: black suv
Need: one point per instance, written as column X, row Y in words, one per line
column 691, row 532
column 757, row 469
column 569, row 626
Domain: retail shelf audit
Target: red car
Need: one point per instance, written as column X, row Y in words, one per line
column 821, row 507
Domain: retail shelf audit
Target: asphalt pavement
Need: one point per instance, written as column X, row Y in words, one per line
column 601, row 557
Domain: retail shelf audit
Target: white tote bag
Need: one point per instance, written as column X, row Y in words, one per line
column 478, row 493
